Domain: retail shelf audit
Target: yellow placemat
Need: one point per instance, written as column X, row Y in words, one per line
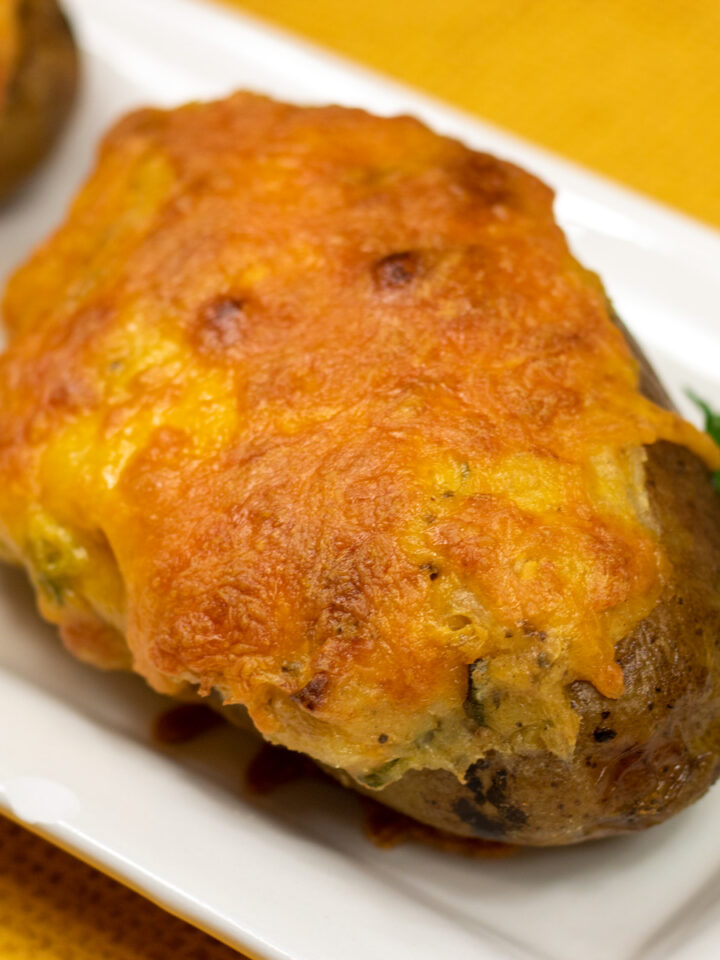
column 629, row 87
column 53, row 907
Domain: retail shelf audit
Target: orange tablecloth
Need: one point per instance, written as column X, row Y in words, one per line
column 629, row 87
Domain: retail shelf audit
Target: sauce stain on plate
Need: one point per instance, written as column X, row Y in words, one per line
column 273, row 767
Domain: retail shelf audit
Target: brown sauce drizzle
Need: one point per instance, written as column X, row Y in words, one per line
column 387, row 828
column 273, row 767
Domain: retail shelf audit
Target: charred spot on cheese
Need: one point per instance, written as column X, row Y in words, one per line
column 532, row 631
column 219, row 325
column 313, row 693
column 432, row 570
column 396, row 270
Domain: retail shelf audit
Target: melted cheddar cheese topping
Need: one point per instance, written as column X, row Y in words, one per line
column 316, row 412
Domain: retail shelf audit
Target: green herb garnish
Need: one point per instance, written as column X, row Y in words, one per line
column 378, row 778
column 712, row 427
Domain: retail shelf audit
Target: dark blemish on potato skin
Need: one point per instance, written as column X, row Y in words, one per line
column 383, row 738
column 515, row 816
column 474, row 708
column 474, row 782
column 396, row 270
column 507, row 818
column 603, row 734
column 481, row 823
column 510, row 818
column 497, row 792
column 313, row 693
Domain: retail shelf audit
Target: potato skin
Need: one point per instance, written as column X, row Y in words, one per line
column 638, row 759
column 41, row 91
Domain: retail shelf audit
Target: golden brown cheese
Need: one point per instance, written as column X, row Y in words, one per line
column 316, row 410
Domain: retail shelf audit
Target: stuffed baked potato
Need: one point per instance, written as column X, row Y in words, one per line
column 38, row 81
column 314, row 413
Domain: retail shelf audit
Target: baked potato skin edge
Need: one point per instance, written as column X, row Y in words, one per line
column 641, row 758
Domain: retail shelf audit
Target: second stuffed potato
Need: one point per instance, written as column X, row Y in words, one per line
column 38, row 83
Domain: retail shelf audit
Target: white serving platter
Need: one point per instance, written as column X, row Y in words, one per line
column 292, row 876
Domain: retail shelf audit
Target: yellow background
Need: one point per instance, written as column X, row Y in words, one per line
column 628, row 87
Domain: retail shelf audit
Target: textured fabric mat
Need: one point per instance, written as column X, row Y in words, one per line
column 53, row 907
column 629, row 87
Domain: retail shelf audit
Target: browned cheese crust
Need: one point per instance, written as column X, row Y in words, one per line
column 315, row 412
